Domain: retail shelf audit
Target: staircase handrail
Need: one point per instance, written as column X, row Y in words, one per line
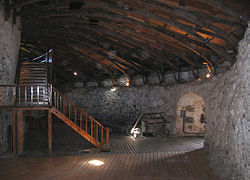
column 26, row 95
column 73, row 104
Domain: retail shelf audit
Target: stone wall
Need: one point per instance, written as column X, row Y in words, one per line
column 126, row 103
column 9, row 48
column 226, row 104
column 228, row 117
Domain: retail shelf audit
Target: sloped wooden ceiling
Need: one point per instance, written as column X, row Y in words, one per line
column 107, row 38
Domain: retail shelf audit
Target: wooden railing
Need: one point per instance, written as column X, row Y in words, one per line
column 37, row 95
column 46, row 58
column 24, row 95
column 80, row 117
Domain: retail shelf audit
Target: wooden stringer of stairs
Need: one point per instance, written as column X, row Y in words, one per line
column 46, row 97
column 34, row 93
column 77, row 128
column 79, row 120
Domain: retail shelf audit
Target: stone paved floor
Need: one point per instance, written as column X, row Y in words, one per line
column 127, row 144
column 148, row 158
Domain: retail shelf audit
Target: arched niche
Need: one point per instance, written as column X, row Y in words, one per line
column 190, row 118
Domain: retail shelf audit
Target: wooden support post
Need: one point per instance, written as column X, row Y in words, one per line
column 20, row 131
column 14, row 132
column 97, row 126
column 81, row 120
column 50, row 131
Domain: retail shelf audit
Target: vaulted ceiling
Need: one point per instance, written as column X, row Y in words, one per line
column 107, row 38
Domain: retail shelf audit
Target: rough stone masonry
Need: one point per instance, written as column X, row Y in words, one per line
column 9, row 48
column 226, row 100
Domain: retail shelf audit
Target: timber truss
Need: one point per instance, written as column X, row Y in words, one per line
column 108, row 38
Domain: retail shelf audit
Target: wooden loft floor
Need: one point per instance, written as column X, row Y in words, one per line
column 18, row 98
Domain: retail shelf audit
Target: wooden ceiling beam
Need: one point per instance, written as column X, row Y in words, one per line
column 89, row 44
column 63, row 55
column 51, row 42
column 162, row 30
column 142, row 35
column 142, row 5
column 230, row 11
column 143, row 24
column 186, row 59
column 183, row 27
column 100, row 38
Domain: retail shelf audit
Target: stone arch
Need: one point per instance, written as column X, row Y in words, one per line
column 194, row 115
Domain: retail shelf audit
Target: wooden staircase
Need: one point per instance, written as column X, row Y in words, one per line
column 33, row 92
column 79, row 120
column 79, row 130
column 46, row 97
column 33, row 73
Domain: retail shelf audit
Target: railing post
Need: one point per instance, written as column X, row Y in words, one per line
column 19, row 94
column 102, row 135
column 57, row 101
column 81, row 120
column 38, row 94
column 97, row 126
column 7, row 96
column 107, row 139
column 43, row 95
column 25, row 96
column 51, row 92
column 13, row 94
column 63, row 105
column 31, row 95
column 69, row 110
column 91, row 125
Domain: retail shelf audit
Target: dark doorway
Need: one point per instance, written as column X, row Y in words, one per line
column 9, row 138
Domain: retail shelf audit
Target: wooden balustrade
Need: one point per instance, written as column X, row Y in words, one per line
column 23, row 95
column 15, row 96
column 80, row 117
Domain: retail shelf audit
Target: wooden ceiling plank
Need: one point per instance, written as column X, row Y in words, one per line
column 21, row 3
column 230, row 11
